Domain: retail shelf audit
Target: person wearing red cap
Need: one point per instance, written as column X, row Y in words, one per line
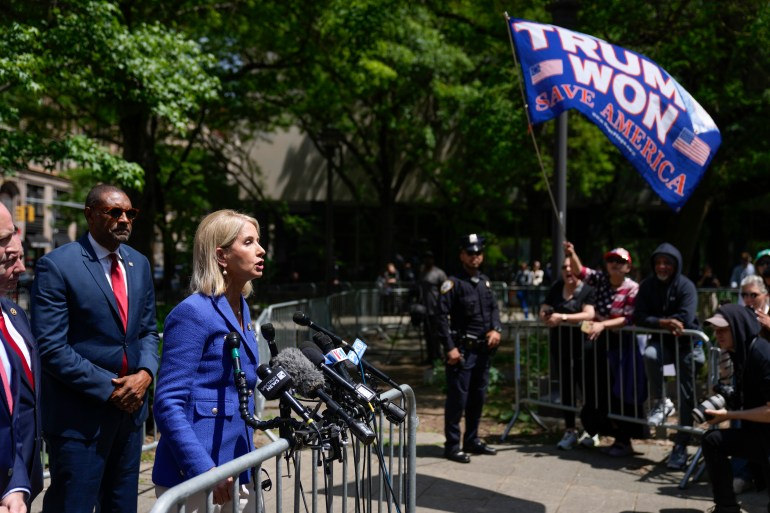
column 618, row 384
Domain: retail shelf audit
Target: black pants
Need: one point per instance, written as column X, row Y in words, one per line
column 466, row 392
column 566, row 345
column 614, row 383
column 718, row 445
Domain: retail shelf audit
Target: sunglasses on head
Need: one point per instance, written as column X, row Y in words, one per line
column 117, row 212
column 752, row 295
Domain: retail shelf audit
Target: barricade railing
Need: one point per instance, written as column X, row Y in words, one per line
column 376, row 477
column 552, row 364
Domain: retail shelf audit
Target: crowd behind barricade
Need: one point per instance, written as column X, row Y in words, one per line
column 613, row 338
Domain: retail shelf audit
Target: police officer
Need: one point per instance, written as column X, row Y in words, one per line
column 469, row 328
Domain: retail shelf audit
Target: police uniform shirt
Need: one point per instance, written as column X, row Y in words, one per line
column 471, row 305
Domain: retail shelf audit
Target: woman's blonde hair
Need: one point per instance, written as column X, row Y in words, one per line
column 217, row 230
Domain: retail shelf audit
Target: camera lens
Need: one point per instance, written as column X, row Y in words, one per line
column 715, row 402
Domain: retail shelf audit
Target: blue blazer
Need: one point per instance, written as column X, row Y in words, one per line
column 13, row 471
column 77, row 326
column 196, row 402
column 29, row 399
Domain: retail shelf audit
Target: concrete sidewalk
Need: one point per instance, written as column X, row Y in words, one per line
column 537, row 478
column 532, row 477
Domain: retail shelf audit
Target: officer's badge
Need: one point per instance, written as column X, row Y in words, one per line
column 447, row 286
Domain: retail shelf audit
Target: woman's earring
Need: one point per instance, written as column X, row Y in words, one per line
column 224, row 272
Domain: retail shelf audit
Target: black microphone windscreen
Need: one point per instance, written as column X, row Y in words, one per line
column 233, row 340
column 268, row 331
column 300, row 318
column 313, row 354
column 304, row 375
column 323, row 341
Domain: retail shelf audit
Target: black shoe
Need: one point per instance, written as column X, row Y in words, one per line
column 480, row 448
column 458, row 456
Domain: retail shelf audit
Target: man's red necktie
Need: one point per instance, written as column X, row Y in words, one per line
column 17, row 350
column 119, row 289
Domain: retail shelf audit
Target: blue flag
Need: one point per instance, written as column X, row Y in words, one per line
column 657, row 125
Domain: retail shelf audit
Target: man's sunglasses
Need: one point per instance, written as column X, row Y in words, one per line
column 752, row 295
column 473, row 253
column 615, row 260
column 117, row 212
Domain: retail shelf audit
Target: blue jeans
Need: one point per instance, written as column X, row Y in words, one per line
column 688, row 361
column 521, row 295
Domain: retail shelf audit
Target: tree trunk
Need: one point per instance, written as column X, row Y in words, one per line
column 139, row 147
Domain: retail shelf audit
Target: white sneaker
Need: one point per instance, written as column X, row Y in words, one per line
column 660, row 412
column 589, row 441
column 741, row 485
column 568, row 441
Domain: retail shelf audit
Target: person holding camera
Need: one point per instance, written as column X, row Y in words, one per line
column 468, row 326
column 737, row 332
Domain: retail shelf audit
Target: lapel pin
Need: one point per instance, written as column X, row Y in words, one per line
column 248, row 326
column 131, row 264
column 13, row 311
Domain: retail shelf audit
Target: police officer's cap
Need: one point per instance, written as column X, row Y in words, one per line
column 472, row 243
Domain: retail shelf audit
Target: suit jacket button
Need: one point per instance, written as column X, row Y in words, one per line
column 10, row 472
column 214, row 411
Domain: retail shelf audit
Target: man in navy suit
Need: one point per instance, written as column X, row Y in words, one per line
column 16, row 333
column 93, row 316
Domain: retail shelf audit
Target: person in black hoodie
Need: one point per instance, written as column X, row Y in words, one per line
column 737, row 331
column 668, row 300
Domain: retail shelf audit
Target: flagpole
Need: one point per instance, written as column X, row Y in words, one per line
column 564, row 14
column 555, row 208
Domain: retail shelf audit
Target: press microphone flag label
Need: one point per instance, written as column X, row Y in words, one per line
column 335, row 355
column 357, row 352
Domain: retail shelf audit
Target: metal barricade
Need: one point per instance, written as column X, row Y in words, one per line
column 371, row 478
column 550, row 367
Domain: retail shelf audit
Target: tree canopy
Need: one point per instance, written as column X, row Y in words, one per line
column 163, row 97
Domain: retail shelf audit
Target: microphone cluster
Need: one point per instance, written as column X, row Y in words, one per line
column 318, row 371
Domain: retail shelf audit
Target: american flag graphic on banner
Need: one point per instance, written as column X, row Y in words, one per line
column 545, row 69
column 689, row 145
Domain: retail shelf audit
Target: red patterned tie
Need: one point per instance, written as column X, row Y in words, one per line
column 16, row 349
column 119, row 289
column 6, row 386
